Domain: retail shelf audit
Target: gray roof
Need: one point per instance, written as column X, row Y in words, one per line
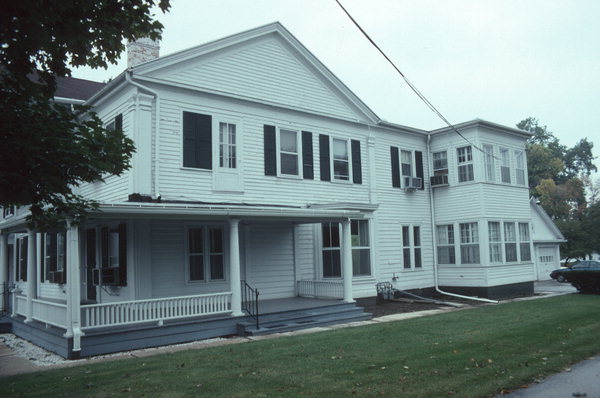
column 79, row 89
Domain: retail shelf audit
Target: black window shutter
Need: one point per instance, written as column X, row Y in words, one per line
column 419, row 166
column 270, row 150
column 324, row 157
column 197, row 140
column 307, row 156
column 119, row 122
column 395, row 167
column 123, row 254
column 104, row 242
column 356, row 162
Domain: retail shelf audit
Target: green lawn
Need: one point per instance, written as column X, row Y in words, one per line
column 471, row 353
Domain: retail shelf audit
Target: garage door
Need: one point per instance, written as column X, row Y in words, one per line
column 547, row 261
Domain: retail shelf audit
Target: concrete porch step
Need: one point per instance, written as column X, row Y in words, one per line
column 303, row 319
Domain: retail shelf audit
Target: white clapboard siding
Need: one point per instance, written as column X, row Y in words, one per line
column 306, row 254
column 264, row 70
column 506, row 201
column 270, row 266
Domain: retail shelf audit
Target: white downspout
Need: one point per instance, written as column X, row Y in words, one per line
column 434, row 241
column 129, row 79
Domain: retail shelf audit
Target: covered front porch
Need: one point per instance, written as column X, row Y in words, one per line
column 77, row 308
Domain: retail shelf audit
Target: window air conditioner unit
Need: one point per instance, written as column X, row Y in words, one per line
column 412, row 183
column 57, row 277
column 439, row 180
column 106, row 276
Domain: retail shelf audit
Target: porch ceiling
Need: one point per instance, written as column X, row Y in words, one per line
column 206, row 211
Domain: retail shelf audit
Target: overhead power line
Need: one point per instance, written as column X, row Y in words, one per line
column 408, row 82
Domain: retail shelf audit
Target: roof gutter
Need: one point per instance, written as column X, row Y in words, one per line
column 434, row 247
column 129, row 79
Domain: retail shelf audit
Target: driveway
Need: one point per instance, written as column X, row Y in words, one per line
column 554, row 287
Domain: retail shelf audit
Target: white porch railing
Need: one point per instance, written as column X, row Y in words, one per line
column 153, row 310
column 20, row 304
column 49, row 312
column 314, row 288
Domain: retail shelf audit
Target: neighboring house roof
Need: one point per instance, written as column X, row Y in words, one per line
column 79, row 89
column 482, row 123
column 538, row 213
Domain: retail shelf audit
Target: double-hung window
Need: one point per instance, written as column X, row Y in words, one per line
column 524, row 241
column 406, row 163
column 361, row 251
column 445, row 244
column 465, row 164
column 288, row 152
column 227, row 145
column 469, row 243
column 510, row 242
column 206, row 254
column 495, row 238
column 8, row 211
column 341, row 169
column 490, row 171
column 505, row 165
column 520, row 167
column 331, row 250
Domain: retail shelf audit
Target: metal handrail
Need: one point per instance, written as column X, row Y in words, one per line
column 250, row 302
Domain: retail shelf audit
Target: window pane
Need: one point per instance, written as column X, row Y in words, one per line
column 340, row 170
column 406, row 257
column 332, row 267
column 340, row 149
column 360, row 233
column 289, row 164
column 196, row 268
column 525, row 252
column 216, row 267
column 361, row 262
column 216, row 240
column 287, row 141
column 405, row 236
column 418, row 258
column 417, row 236
column 195, row 240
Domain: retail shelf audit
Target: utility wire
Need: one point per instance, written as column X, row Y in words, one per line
column 408, row 82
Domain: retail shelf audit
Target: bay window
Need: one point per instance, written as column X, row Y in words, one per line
column 495, row 238
column 510, row 242
column 445, row 244
column 465, row 164
column 469, row 243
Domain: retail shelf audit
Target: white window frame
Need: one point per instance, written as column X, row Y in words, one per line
column 496, row 243
column 524, row 241
column 520, row 174
column 488, row 160
column 61, row 253
column 358, row 248
column 206, row 253
column 411, row 247
column 8, row 212
column 446, row 240
column 469, row 240
column 417, row 251
column 510, row 241
column 225, row 147
column 405, row 231
column 20, row 256
column 333, row 159
column 464, row 160
column 505, row 166
column 330, row 248
column 298, row 152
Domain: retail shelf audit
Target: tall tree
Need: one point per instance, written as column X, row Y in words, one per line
column 47, row 150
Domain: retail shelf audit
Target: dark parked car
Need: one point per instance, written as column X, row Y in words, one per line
column 584, row 275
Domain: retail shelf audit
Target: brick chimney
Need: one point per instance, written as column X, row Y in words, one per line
column 142, row 50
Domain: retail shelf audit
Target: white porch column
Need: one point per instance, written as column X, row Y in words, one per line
column 3, row 258
column 73, row 287
column 31, row 273
column 234, row 267
column 347, row 261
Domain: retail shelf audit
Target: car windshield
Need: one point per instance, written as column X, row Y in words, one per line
column 583, row 264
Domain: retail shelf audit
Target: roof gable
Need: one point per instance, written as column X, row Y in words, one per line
column 544, row 229
column 266, row 65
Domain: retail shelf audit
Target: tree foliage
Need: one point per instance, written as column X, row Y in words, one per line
column 559, row 177
column 49, row 149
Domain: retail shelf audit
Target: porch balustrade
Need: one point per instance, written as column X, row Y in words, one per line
column 320, row 289
column 154, row 310
column 48, row 312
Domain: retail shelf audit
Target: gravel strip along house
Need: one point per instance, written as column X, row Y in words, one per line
column 264, row 196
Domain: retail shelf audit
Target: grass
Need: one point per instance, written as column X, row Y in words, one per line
column 473, row 353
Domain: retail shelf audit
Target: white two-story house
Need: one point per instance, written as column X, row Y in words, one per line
column 258, row 170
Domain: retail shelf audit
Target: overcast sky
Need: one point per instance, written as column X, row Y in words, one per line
column 498, row 60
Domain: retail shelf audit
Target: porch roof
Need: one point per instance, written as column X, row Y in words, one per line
column 229, row 211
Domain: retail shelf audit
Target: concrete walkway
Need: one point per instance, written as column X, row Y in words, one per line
column 582, row 380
